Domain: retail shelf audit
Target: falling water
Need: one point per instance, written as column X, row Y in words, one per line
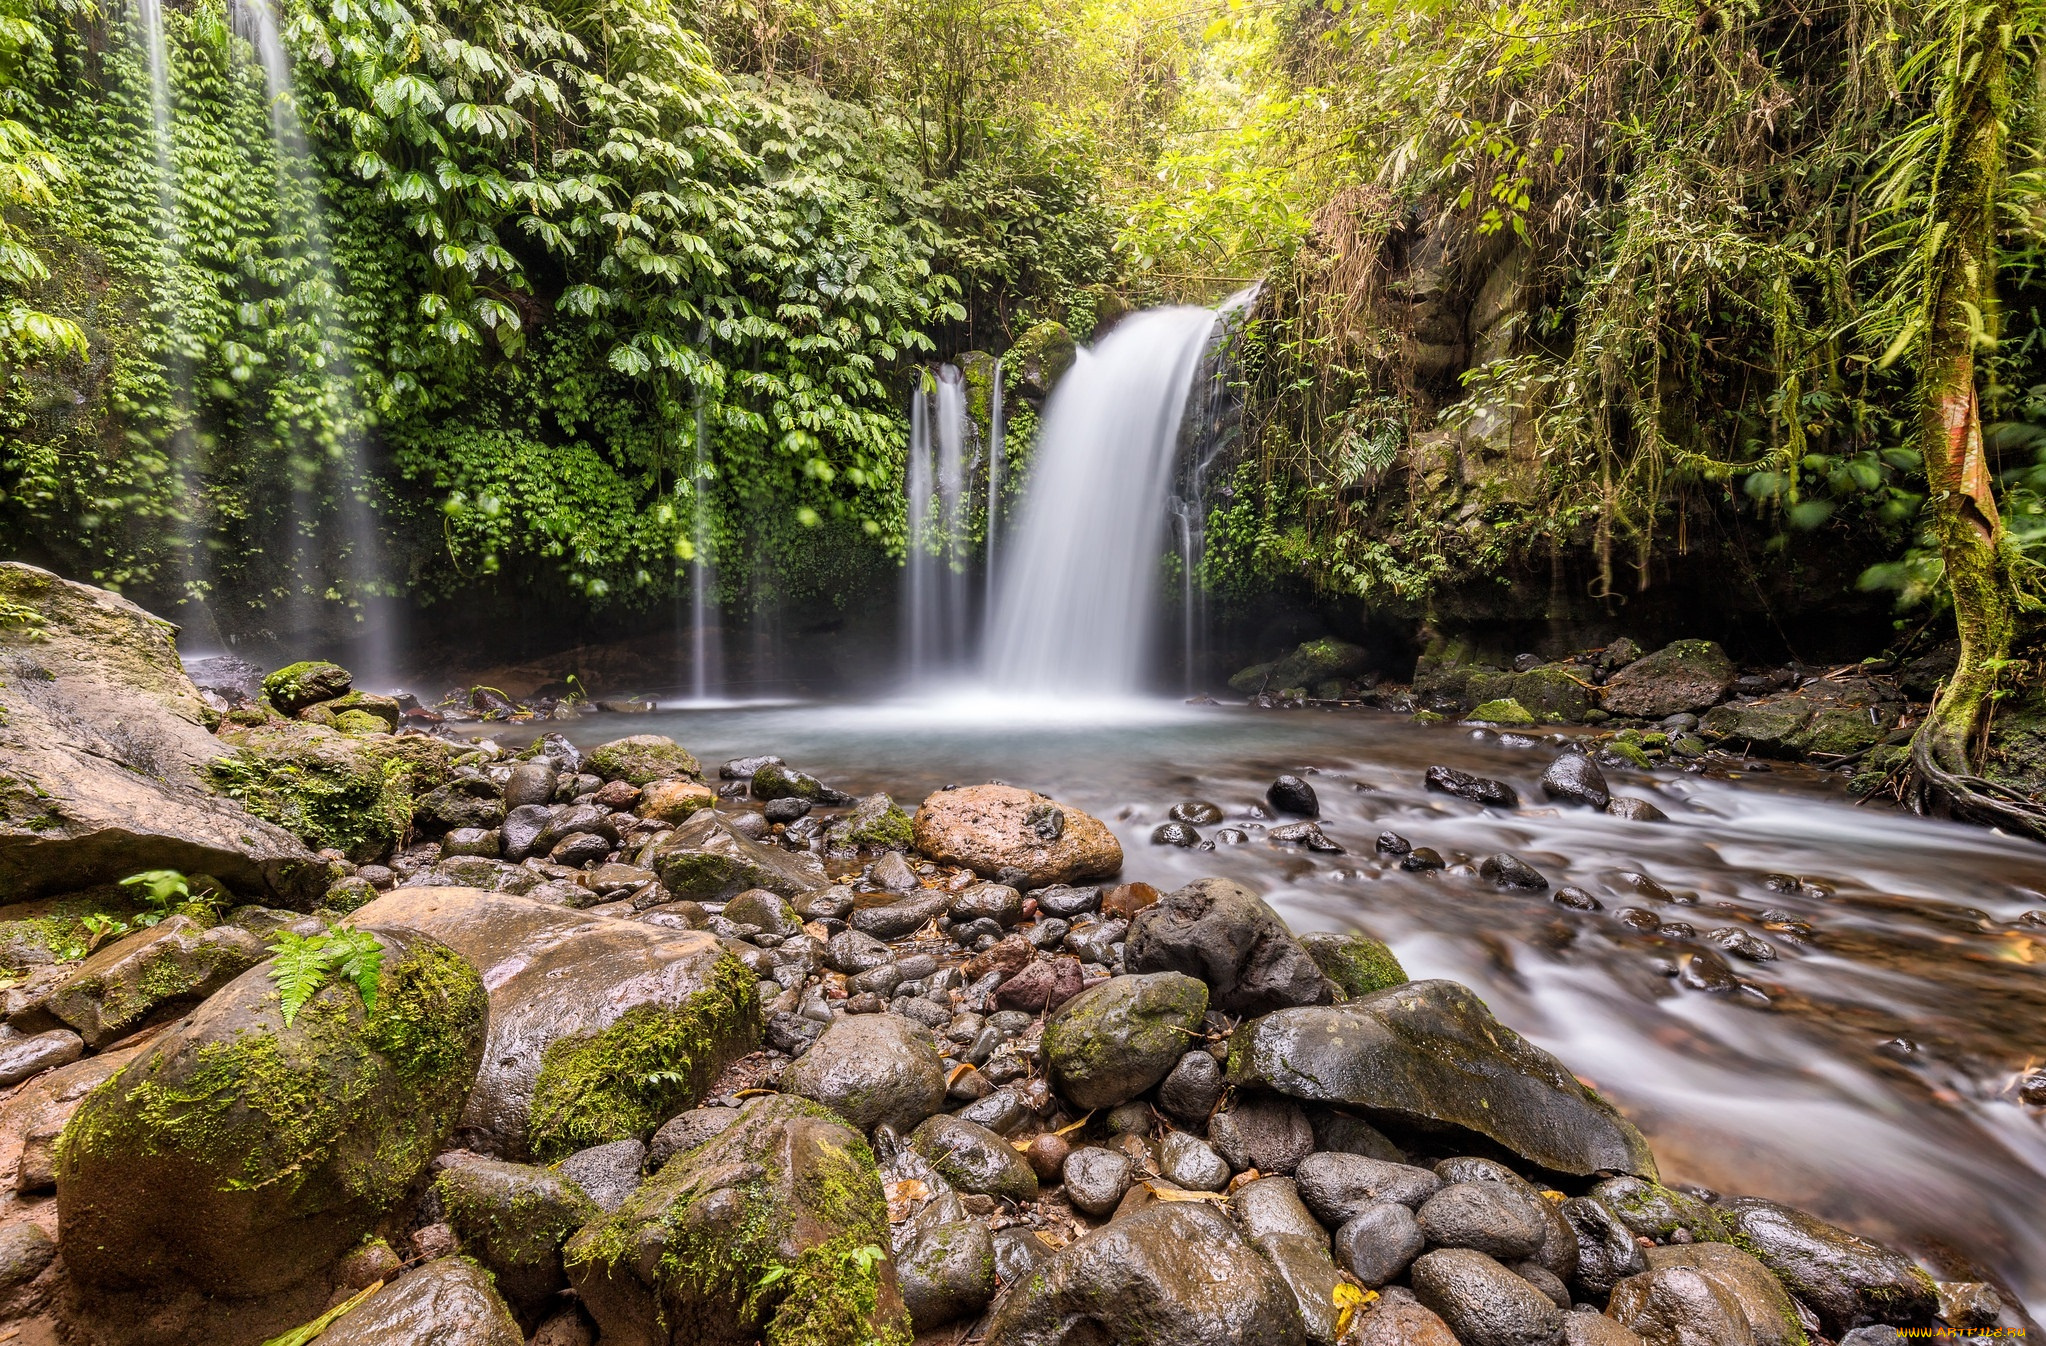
column 935, row 579
column 997, row 451
column 706, row 649
column 1210, row 432
column 360, row 565
column 1073, row 613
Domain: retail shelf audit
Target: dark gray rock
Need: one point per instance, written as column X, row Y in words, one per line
column 1606, row 1251
column 992, row 901
column 872, row 1069
column 1685, row 675
column 23, row 1056
column 450, row 1302
column 775, row 780
column 684, row 1132
column 1483, row 1302
column 1490, row 1217
column 705, row 860
column 1477, row 789
column 1558, row 1251
column 608, row 1173
column 1175, row 834
column 852, row 952
column 1379, row 1243
column 1344, row 1134
column 824, row 904
column 947, row 1273
column 1268, row 1134
column 1225, row 935
column 1290, row 794
column 1018, row 1251
column 1112, row 1042
column 1635, row 810
column 1847, row 1280
column 1650, row 1210
column 1188, row 1160
column 1173, row 1274
column 1096, row 1179
column 904, row 916
column 1510, row 871
column 1193, row 1088
column 974, row 1159
column 1273, row 1206
column 1430, row 1051
column 1576, row 779
column 513, row 1218
column 1339, row 1187
column 529, row 783
column 1065, row 901
column 520, row 832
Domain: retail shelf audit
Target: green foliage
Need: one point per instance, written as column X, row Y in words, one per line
column 302, row 964
column 166, row 892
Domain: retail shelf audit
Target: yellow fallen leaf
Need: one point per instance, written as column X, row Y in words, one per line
column 902, row 1195
column 1174, row 1194
column 1068, row 1130
column 756, row 1093
column 1348, row 1299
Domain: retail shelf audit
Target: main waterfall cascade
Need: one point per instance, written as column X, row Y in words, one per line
column 937, row 637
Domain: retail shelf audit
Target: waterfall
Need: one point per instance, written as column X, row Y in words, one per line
column 1074, row 611
column 358, row 568
column 997, row 451
column 935, row 594
column 706, row 649
column 1210, row 432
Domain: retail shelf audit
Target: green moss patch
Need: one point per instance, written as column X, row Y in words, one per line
column 353, row 793
column 1357, row 963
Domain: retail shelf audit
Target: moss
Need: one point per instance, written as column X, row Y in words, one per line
column 296, row 686
column 649, row 1065
column 833, row 1296
column 642, row 759
column 325, row 788
column 1508, row 712
column 879, row 822
column 511, row 1215
column 1357, row 963
column 1631, row 750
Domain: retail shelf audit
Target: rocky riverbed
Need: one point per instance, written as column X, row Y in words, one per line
column 320, row 1025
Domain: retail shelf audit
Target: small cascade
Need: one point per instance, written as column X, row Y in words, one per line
column 351, row 563
column 706, row 643
column 935, row 580
column 1208, row 435
column 1073, row 611
column 997, row 452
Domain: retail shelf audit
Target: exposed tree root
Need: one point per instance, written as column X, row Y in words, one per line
column 1936, row 791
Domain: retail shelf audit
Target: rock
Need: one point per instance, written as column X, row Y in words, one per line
column 365, row 706
column 1682, row 675
column 684, row 1132
column 1704, row 1294
column 704, row 860
column 1510, row 871
column 1127, row 899
column 775, row 780
column 600, row 1029
column 1545, row 692
column 1764, row 726
column 1174, row 1274
column 1278, row 1226
column 449, row 1302
column 1309, row 835
column 1188, row 1161
column 1504, row 711
column 1340, row 1187
column 1198, row 812
column 641, row 760
column 1483, row 1302
column 607, row 1173
column 108, row 757
column 226, row 681
column 1430, row 1051
column 1067, row 902
column 769, row 911
column 1595, row 1329
column 1270, row 1135
column 1576, row 779
column 151, row 974
column 459, row 806
column 1043, row 986
column 35, row 1115
column 975, row 1159
column 993, row 829
column 1193, row 1088
column 893, row 873
column 1290, row 794
column 872, row 1070
column 672, row 801
column 240, row 1157
column 947, row 1273
column 1398, row 1322
column 1096, row 1179
column 875, row 820
column 521, row 830
column 1847, row 1280
column 1379, row 1243
column 296, row 686
column 1477, row 789
column 1109, row 1044
column 472, row 841
column 1356, row 963
column 1491, row 1217
column 1174, row 834
column 23, row 1056
column 693, row 1256
column 24, row 1251
column 1635, row 810
column 529, row 783
column 513, row 1219
column 1226, row 936
column 566, row 1328
column 904, row 916
column 1344, row 1134
column 1606, row 1251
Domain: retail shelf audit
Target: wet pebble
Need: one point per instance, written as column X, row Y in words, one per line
column 1338, row 1187
column 1096, row 1180
column 1378, row 1243
column 1510, row 871
column 1476, row 789
column 1174, row 834
column 1706, row 971
column 1291, row 794
column 1198, row 812
column 1484, row 1303
column 1576, row 779
column 1392, row 843
column 1189, row 1161
column 1422, row 858
column 1741, row 944
column 1488, row 1216
column 1576, row 899
column 1193, row 1088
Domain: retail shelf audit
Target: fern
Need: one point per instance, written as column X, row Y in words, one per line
column 302, row 964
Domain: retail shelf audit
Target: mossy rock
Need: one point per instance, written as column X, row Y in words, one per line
column 514, row 1218
column 776, row 781
column 450, row 1301
column 1357, row 963
column 641, row 759
column 702, row 860
column 1506, row 712
column 324, row 787
column 875, row 821
column 1651, row 1210
column 1445, row 669
column 1764, row 725
column 1041, row 357
column 2017, row 743
column 1550, row 693
column 150, row 974
column 383, row 709
column 1841, row 731
column 295, row 686
column 1882, row 763
column 241, row 1156
column 1113, row 1041
column 1629, row 750
column 775, row 1230
column 1252, row 680
column 600, row 1029
column 1684, row 675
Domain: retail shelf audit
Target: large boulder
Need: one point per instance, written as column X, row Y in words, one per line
column 1225, row 935
column 1705, row 1294
column 599, row 1029
column 1173, row 1274
column 704, row 860
column 1847, row 1280
column 150, row 974
column 105, row 748
column 1765, row 725
column 872, row 1069
column 1112, row 1042
column 240, row 1156
column 330, row 789
column 448, row 1302
column 1683, row 675
column 513, row 1218
column 641, row 759
column 998, row 830
column 1429, row 1053
column 773, row 1230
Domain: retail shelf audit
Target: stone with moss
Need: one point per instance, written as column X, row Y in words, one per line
column 1040, row 358
column 307, row 683
column 600, row 1029
column 876, row 821
column 1723, row 1293
column 150, row 975
column 1552, row 693
column 1653, row 1211
column 513, row 1218
column 703, row 860
column 1764, row 726
column 641, row 759
column 775, row 1231
column 1883, row 765
column 1506, row 712
column 450, row 1301
column 1684, row 675
column 383, row 709
column 241, row 1156
column 1356, row 963
column 1847, row 1280
column 329, row 789
column 1842, row 731
column 1113, row 1041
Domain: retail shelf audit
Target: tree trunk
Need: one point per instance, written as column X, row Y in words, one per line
column 1959, row 277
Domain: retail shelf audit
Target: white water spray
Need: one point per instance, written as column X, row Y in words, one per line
column 935, row 580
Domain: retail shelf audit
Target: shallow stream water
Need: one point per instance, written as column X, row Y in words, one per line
column 1869, row 1073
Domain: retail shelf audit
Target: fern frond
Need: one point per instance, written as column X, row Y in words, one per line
column 299, row 966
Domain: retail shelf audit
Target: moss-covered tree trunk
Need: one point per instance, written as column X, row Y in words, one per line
column 1959, row 277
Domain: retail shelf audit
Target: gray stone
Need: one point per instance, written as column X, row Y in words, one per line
column 995, row 901
column 1576, row 779
column 1379, row 1243
column 947, row 1273
column 449, row 1302
column 1338, row 1187
column 1225, row 935
column 25, row 1056
column 24, row 1251
column 975, row 1159
column 608, row 1173
column 1685, row 675
column 1847, row 1280
column 904, row 916
column 1606, row 1251
column 513, row 1218
column 1430, row 1052
column 1273, row 1206
column 684, row 1132
column 1096, row 1179
column 1268, row 1134
column 1483, row 1302
column 1705, row 1294
column 1488, row 1216
column 1193, row 1088
column 149, row 975
column 1187, row 1160
column 529, row 783
column 704, row 860
column 1109, row 1044
column 872, row 1069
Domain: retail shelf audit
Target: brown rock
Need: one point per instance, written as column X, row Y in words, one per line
column 1008, row 955
column 1397, row 1322
column 31, row 1120
column 1127, row 899
column 672, row 801
column 993, row 829
column 149, row 974
column 1042, row 986
column 616, row 794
